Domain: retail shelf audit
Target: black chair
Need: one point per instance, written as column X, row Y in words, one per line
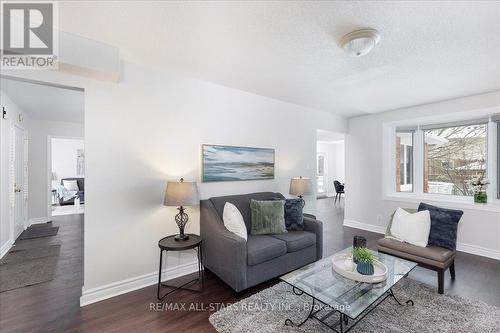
column 339, row 188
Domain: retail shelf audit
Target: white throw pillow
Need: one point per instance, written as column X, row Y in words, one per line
column 233, row 220
column 71, row 185
column 411, row 228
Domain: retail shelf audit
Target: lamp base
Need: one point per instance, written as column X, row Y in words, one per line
column 181, row 237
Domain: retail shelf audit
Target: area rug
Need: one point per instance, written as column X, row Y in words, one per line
column 39, row 231
column 21, row 268
column 18, row 255
column 266, row 311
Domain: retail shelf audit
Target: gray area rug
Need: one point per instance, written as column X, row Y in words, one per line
column 19, row 255
column 39, row 231
column 21, row 268
column 267, row 310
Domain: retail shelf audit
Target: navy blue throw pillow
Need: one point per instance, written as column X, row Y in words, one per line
column 294, row 218
column 444, row 224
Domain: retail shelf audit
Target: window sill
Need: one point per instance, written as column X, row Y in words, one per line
column 444, row 200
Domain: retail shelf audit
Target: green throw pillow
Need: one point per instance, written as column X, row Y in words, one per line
column 268, row 217
column 388, row 230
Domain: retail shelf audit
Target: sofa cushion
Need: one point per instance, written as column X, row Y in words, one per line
column 80, row 181
column 262, row 248
column 233, row 221
column 242, row 202
column 268, row 217
column 71, row 185
column 297, row 240
column 444, row 225
column 294, row 217
column 434, row 253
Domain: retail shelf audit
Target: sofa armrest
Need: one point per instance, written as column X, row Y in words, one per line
column 315, row 226
column 224, row 253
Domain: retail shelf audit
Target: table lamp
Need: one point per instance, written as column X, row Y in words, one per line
column 181, row 194
column 300, row 186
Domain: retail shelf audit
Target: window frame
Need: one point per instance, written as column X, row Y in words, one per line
column 418, row 195
column 498, row 158
column 412, row 132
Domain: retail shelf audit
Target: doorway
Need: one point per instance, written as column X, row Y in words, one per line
column 34, row 245
column 66, row 156
column 330, row 162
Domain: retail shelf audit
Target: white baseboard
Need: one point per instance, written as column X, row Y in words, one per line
column 125, row 286
column 5, row 248
column 37, row 220
column 364, row 226
column 462, row 247
column 478, row 250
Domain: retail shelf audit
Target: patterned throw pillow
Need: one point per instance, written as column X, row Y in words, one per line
column 444, row 225
column 268, row 217
column 294, row 217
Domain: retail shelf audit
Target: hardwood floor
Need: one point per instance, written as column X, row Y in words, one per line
column 54, row 306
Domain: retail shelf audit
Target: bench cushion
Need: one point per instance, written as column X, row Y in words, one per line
column 297, row 240
column 261, row 248
column 430, row 255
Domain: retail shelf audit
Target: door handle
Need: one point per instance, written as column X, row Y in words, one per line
column 16, row 189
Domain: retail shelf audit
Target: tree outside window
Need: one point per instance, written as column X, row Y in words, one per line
column 453, row 156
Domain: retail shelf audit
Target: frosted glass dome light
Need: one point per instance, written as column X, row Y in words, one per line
column 360, row 42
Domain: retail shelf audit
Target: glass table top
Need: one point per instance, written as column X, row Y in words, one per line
column 349, row 297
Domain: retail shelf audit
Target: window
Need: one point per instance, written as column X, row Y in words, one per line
column 404, row 161
column 453, row 156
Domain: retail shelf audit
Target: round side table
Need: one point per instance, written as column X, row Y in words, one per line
column 170, row 244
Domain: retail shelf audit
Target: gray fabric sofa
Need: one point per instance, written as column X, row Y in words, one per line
column 243, row 264
column 80, row 193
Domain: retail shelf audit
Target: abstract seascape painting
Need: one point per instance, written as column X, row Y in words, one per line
column 228, row 163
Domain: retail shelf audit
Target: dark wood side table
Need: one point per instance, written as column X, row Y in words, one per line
column 170, row 244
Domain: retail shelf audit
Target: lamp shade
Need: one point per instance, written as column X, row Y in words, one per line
column 181, row 193
column 300, row 186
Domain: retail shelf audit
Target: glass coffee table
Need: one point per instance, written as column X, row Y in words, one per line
column 334, row 295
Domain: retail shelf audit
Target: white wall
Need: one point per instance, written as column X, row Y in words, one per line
column 366, row 206
column 13, row 112
column 148, row 129
column 39, row 165
column 64, row 153
column 335, row 155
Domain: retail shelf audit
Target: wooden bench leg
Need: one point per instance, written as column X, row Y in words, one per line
column 452, row 270
column 441, row 281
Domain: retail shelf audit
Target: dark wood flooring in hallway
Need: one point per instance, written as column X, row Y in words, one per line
column 54, row 306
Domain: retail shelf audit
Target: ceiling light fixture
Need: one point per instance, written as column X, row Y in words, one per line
column 360, row 42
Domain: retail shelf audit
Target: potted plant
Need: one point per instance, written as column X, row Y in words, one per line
column 479, row 188
column 364, row 259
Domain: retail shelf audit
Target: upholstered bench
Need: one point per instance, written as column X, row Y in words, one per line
column 439, row 254
column 431, row 257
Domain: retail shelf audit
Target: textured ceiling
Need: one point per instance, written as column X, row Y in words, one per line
column 44, row 102
column 429, row 51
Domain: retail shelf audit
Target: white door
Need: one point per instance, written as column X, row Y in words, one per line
column 321, row 173
column 19, row 174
